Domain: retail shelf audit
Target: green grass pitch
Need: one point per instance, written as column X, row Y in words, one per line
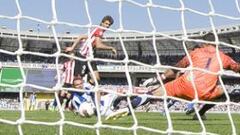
column 216, row 123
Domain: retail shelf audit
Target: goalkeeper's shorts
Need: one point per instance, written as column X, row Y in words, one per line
column 180, row 89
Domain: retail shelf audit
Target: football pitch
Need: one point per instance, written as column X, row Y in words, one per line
column 215, row 123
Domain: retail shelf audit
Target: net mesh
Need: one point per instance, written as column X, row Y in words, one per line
column 99, row 125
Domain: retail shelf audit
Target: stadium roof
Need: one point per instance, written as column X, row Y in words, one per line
column 167, row 43
column 126, row 35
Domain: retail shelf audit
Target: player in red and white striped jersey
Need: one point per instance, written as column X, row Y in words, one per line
column 67, row 72
column 92, row 42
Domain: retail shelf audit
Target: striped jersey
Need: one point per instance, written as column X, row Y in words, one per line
column 90, row 42
column 68, row 71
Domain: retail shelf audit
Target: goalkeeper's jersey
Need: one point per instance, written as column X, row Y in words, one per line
column 206, row 83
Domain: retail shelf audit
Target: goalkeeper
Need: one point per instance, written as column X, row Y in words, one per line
column 206, row 84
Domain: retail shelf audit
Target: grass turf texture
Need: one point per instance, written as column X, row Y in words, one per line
column 216, row 123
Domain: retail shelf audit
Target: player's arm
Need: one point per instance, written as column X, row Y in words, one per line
column 101, row 45
column 171, row 73
column 229, row 63
column 75, row 43
column 235, row 67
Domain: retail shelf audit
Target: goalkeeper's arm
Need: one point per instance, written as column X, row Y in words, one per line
column 169, row 73
column 172, row 73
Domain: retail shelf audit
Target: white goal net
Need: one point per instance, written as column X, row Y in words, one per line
column 175, row 40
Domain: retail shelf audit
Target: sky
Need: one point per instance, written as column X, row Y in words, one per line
column 133, row 17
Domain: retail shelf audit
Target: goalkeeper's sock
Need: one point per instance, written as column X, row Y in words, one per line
column 234, row 96
column 205, row 108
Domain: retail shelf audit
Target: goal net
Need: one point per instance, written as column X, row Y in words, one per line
column 147, row 50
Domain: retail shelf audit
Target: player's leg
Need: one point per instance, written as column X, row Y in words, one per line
column 202, row 111
column 76, row 104
column 135, row 102
column 95, row 73
column 67, row 95
column 96, row 97
column 55, row 100
column 234, row 97
column 170, row 103
column 216, row 95
column 190, row 108
column 140, row 100
column 97, row 76
column 156, row 90
column 106, row 103
column 117, row 101
column 85, row 70
column 61, row 97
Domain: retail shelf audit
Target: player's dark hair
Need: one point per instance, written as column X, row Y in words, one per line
column 209, row 37
column 78, row 77
column 196, row 46
column 175, row 71
column 108, row 18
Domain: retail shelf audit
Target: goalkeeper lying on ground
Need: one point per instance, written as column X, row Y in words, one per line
column 205, row 83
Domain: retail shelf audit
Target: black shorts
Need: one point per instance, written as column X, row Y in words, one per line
column 67, row 85
column 81, row 67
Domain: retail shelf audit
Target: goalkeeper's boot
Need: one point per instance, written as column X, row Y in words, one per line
column 190, row 111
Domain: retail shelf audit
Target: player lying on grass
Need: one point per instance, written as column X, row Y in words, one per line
column 78, row 98
column 205, row 83
column 108, row 100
